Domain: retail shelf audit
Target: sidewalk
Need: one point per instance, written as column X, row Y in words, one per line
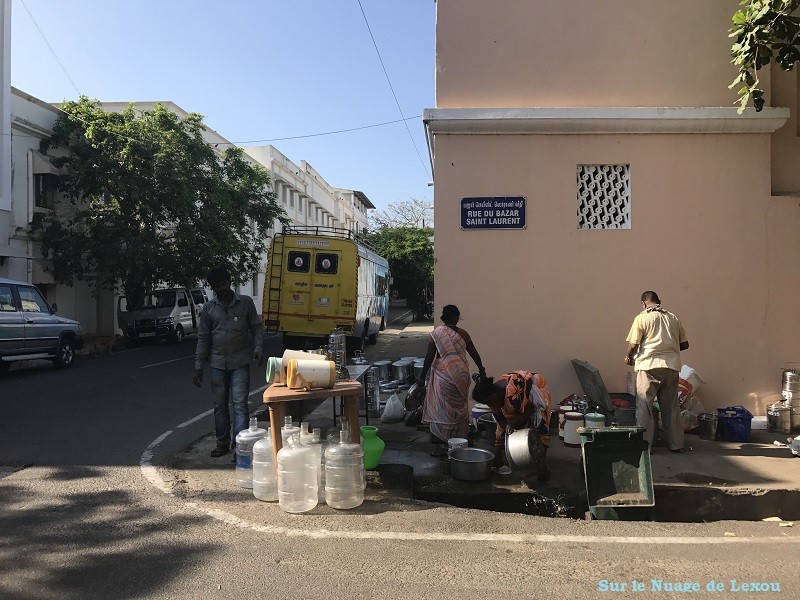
column 710, row 481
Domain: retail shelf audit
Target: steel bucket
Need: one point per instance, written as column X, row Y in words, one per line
column 384, row 367
column 708, row 426
column 779, row 418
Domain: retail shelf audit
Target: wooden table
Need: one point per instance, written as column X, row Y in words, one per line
column 276, row 396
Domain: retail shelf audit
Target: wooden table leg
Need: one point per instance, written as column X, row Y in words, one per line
column 277, row 412
column 351, row 411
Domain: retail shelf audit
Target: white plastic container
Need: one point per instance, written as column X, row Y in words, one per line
column 265, row 484
column 297, row 477
column 572, row 420
column 305, row 433
column 344, row 474
column 245, row 441
column 288, row 429
column 317, row 445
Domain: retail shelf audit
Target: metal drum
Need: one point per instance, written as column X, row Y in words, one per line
column 400, row 369
column 418, row 365
column 791, row 380
column 384, row 368
column 795, row 419
column 779, row 418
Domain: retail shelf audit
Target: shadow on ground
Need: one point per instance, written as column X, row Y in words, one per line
column 88, row 545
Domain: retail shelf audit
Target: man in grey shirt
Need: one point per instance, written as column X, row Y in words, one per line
column 229, row 337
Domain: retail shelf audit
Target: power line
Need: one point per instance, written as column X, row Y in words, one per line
column 53, row 52
column 391, row 87
column 299, row 137
column 295, row 137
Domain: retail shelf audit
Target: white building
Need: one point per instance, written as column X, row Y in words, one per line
column 304, row 194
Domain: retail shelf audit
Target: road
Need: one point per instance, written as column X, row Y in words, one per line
column 79, row 518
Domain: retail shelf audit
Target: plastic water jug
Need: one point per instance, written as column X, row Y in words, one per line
column 244, row 452
column 297, row 477
column 288, row 428
column 317, row 444
column 265, row 484
column 344, row 474
column 305, row 433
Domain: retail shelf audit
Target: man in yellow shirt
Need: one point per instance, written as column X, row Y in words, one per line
column 654, row 345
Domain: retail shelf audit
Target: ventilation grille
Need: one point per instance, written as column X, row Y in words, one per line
column 604, row 197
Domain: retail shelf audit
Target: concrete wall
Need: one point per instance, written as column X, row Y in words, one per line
column 713, row 224
column 703, row 235
column 786, row 141
column 518, row 53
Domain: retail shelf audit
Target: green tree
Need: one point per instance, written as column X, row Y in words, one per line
column 765, row 30
column 409, row 251
column 145, row 200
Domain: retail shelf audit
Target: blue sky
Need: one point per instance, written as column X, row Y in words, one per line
column 256, row 70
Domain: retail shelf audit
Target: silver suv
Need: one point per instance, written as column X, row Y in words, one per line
column 30, row 328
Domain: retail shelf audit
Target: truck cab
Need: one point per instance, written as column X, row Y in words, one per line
column 162, row 314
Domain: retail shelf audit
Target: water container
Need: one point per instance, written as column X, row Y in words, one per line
column 265, row 485
column 305, row 433
column 244, row 452
column 344, row 474
column 297, row 477
column 288, row 428
column 317, row 444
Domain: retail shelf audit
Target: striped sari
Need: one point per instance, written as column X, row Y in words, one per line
column 446, row 406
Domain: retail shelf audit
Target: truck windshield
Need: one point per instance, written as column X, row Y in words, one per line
column 159, row 299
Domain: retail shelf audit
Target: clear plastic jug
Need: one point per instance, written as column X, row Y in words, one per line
column 305, row 433
column 297, row 477
column 244, row 452
column 317, row 444
column 265, row 484
column 288, row 428
column 344, row 473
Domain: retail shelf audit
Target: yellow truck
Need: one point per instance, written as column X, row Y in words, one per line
column 322, row 278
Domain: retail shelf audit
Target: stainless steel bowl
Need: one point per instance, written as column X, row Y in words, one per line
column 524, row 452
column 471, row 464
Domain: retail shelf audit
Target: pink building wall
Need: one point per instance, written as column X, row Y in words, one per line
column 706, row 231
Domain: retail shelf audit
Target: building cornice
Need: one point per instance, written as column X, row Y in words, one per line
column 601, row 120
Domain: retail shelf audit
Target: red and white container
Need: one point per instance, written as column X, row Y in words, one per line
column 563, row 409
column 572, row 420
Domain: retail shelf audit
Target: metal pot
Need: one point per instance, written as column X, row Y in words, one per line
column 524, row 452
column 487, row 424
column 400, row 370
column 383, row 369
column 779, row 418
column 471, row 464
column 708, row 426
column 418, row 365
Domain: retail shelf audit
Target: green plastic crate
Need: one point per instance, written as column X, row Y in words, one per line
column 617, row 471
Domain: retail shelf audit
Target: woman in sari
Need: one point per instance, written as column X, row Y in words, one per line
column 446, row 407
column 520, row 400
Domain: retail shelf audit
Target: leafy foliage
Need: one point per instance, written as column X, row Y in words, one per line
column 764, row 30
column 409, row 251
column 145, row 200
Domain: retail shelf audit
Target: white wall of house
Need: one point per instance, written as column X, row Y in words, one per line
column 31, row 122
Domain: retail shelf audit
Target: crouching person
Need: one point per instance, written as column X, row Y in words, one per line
column 519, row 400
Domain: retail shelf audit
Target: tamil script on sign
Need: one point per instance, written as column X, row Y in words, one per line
column 496, row 212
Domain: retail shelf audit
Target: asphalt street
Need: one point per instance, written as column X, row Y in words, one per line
column 81, row 519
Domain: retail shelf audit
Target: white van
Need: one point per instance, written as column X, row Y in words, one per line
column 169, row 313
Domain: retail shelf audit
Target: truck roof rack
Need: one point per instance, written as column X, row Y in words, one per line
column 337, row 232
